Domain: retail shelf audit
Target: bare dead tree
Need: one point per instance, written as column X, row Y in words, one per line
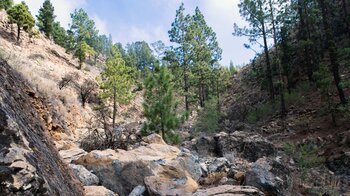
column 67, row 80
column 86, row 90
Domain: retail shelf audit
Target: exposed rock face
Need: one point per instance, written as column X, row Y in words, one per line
column 229, row 190
column 247, row 145
column 84, row 175
column 121, row 171
column 97, row 191
column 72, row 154
column 29, row 162
column 154, row 139
column 204, row 146
column 171, row 181
column 270, row 176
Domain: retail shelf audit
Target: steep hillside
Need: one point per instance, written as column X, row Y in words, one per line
column 29, row 161
column 44, row 64
column 319, row 148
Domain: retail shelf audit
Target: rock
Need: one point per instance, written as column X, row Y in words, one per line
column 223, row 180
column 72, row 154
column 230, row 190
column 205, row 146
column 239, row 177
column 98, row 191
column 269, row 176
column 121, row 171
column 170, row 185
column 339, row 163
column 154, row 139
column 138, row 191
column 85, row 176
column 218, row 165
column 247, row 145
column 29, row 161
column 190, row 163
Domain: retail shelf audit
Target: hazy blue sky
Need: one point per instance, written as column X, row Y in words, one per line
column 150, row 20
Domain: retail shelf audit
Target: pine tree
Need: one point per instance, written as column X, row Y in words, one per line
column 59, row 34
column 83, row 30
column 159, row 104
column 253, row 11
column 116, row 81
column 81, row 51
column 332, row 49
column 324, row 83
column 206, row 53
column 20, row 15
column 180, row 34
column 141, row 56
column 5, row 4
column 46, row 18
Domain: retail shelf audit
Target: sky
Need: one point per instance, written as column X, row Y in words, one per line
column 150, row 20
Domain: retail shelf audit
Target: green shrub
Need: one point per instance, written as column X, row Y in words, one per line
column 261, row 112
column 208, row 117
column 305, row 156
column 293, row 98
column 173, row 138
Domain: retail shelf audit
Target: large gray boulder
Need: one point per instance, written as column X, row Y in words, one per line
column 84, row 175
column 269, row 175
column 121, row 171
column 247, row 145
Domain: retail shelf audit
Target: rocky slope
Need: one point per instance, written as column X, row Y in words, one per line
column 29, row 161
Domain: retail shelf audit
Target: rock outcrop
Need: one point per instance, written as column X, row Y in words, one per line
column 270, row 176
column 121, row 171
column 244, row 144
column 29, row 162
column 84, row 175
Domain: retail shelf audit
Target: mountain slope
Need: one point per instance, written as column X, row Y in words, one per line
column 29, row 162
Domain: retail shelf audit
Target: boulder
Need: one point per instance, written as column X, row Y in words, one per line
column 270, row 176
column 97, row 191
column 84, row 175
column 154, row 139
column 190, row 163
column 339, row 163
column 230, row 190
column 205, row 146
column 171, row 181
column 121, row 171
column 244, row 144
column 138, row 191
column 72, row 154
column 218, row 165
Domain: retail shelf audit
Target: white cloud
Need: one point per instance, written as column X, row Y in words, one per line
column 127, row 34
column 221, row 15
column 100, row 24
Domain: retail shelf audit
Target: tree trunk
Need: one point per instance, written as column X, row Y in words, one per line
column 186, row 87
column 346, row 16
column 114, row 107
column 277, row 60
column 18, row 33
column 268, row 63
column 83, row 100
column 332, row 50
column 95, row 59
